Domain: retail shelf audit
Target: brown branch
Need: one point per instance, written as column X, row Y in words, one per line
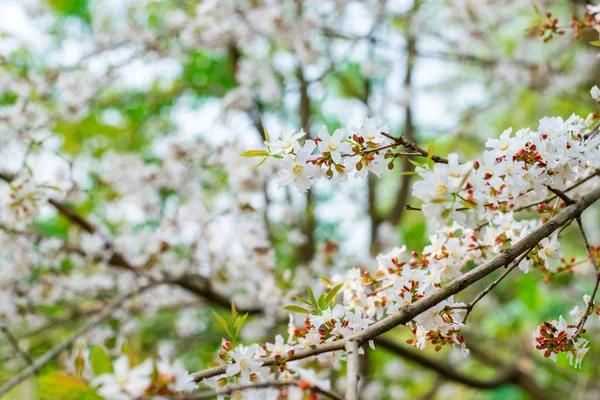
column 575, row 185
column 409, row 312
column 469, row 307
column 410, row 144
column 561, row 194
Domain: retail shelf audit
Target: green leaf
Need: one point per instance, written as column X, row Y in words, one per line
column 416, row 164
column 233, row 311
column 326, row 281
column 51, row 187
column 222, row 322
column 446, row 213
column 55, row 386
column 239, row 322
column 100, row 360
column 430, row 155
column 465, row 178
column 595, row 43
column 297, row 309
column 255, row 153
column 438, row 201
column 333, row 292
column 467, row 204
column 300, row 299
column 313, row 300
column 267, row 136
column 322, row 301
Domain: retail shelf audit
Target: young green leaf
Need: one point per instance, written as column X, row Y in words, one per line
column 297, row 309
column 255, row 153
column 322, row 301
column 333, row 292
column 313, row 300
column 326, row 281
column 438, row 201
column 430, row 155
column 300, row 299
column 416, row 164
column 100, row 360
column 223, row 323
column 239, row 322
column 233, row 311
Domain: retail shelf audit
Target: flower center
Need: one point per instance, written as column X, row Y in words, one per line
column 332, row 146
column 441, row 189
column 298, row 170
column 503, row 146
column 122, row 380
column 370, row 135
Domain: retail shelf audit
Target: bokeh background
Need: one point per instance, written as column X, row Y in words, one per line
column 111, row 82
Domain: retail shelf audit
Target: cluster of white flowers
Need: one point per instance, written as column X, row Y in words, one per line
column 354, row 151
column 126, row 382
column 245, row 366
column 516, row 170
column 164, row 215
column 481, row 198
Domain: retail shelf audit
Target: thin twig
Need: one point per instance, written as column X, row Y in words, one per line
column 413, row 146
column 469, row 307
column 590, row 304
column 561, row 194
column 15, row 345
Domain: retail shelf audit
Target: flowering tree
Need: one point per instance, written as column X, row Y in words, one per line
column 181, row 181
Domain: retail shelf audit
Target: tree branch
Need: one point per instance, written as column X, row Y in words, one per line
column 469, row 307
column 409, row 312
column 410, row 144
column 561, row 194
